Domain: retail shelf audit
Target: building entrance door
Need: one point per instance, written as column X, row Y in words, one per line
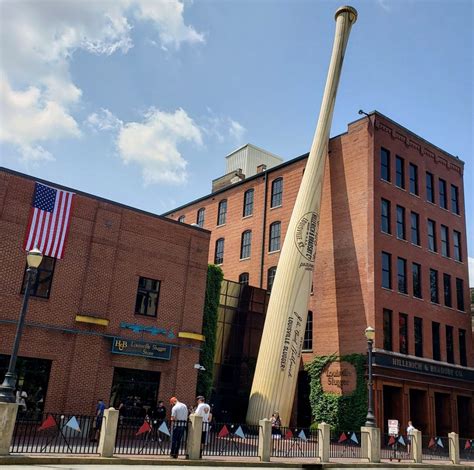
column 392, row 405
column 443, row 414
column 134, row 391
column 419, row 409
column 465, row 418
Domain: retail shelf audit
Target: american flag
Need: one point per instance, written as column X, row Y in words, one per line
column 49, row 220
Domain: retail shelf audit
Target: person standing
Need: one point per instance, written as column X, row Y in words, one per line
column 203, row 410
column 99, row 416
column 159, row 416
column 410, row 431
column 179, row 421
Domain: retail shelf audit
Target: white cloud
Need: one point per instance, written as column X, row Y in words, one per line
column 236, row 130
column 38, row 40
column 153, row 144
column 223, row 128
column 471, row 271
column 103, row 121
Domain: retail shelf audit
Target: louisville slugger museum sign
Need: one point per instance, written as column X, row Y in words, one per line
column 339, row 377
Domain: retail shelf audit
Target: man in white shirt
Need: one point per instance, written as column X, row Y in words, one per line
column 179, row 421
column 203, row 410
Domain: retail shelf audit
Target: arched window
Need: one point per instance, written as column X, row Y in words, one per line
column 200, row 217
column 219, row 254
column 271, row 277
column 308, row 333
column 277, row 192
column 246, row 244
column 248, row 203
column 181, row 219
column 222, row 212
column 275, row 236
column 244, row 279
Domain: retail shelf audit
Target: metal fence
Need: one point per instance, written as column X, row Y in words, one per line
column 294, row 442
column 466, row 449
column 345, row 444
column 138, row 436
column 435, row 448
column 55, row 433
column 396, row 447
column 239, row 440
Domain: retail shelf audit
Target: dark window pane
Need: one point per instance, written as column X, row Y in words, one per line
column 403, row 333
column 432, row 235
column 454, row 199
column 275, row 234
column 462, row 347
column 416, row 273
column 460, row 294
column 449, row 344
column 447, row 290
column 443, row 197
column 308, row 333
column 277, row 193
column 244, row 278
column 200, row 217
column 385, row 164
column 222, row 212
column 248, row 203
column 445, row 241
column 457, row 245
column 181, row 219
column 246, row 244
column 271, row 277
column 402, row 275
column 436, row 341
column 146, row 302
column 385, row 216
column 418, row 337
column 400, row 172
column 219, row 253
column 434, row 286
column 413, row 179
column 40, row 283
column 387, row 330
column 415, row 228
column 401, row 222
column 386, row 270
column 430, row 195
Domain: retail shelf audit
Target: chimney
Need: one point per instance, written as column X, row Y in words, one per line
column 261, row 168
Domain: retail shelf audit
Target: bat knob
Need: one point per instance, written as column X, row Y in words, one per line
column 347, row 9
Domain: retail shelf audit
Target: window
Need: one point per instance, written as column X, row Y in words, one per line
column 457, row 245
column 271, row 277
column 401, row 222
column 387, row 329
column 222, row 212
column 415, row 228
column 385, row 164
column 40, row 284
column 181, row 219
column 275, row 234
column 460, row 294
column 200, row 217
column 246, row 244
column 430, row 195
column 248, row 203
column 148, row 294
column 386, row 270
column 432, row 235
column 454, row 199
column 402, row 275
column 400, row 172
column 447, row 290
column 413, row 179
column 434, row 286
column 418, row 337
column 443, row 199
column 436, row 341
column 308, row 333
column 219, row 253
column 416, row 274
column 277, row 192
column 462, row 347
column 403, row 333
column 449, row 344
column 385, row 216
column 244, row 279
column 445, row 241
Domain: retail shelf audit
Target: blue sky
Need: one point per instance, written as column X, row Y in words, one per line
column 139, row 101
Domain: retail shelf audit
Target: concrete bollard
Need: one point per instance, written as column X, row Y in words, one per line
column 453, row 447
column 265, row 440
column 324, row 440
column 8, row 413
column 370, row 443
column 416, row 446
column 194, row 437
column 108, row 432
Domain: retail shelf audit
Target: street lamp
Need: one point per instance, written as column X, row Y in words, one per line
column 370, row 419
column 7, row 389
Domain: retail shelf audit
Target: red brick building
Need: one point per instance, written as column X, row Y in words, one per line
column 118, row 318
column 391, row 254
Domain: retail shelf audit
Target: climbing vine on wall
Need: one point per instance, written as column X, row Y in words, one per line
column 342, row 412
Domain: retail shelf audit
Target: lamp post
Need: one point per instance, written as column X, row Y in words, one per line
column 7, row 389
column 370, row 419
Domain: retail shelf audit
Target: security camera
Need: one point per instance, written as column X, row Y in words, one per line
column 199, row 367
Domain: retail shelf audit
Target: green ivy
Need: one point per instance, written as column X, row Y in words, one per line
column 209, row 328
column 342, row 412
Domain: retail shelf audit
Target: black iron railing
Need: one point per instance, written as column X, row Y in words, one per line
column 435, row 448
column 396, row 448
column 346, row 444
column 55, row 433
column 137, row 436
column 466, row 449
column 239, row 440
column 294, row 442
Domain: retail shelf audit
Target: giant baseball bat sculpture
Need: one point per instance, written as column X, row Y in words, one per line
column 279, row 356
